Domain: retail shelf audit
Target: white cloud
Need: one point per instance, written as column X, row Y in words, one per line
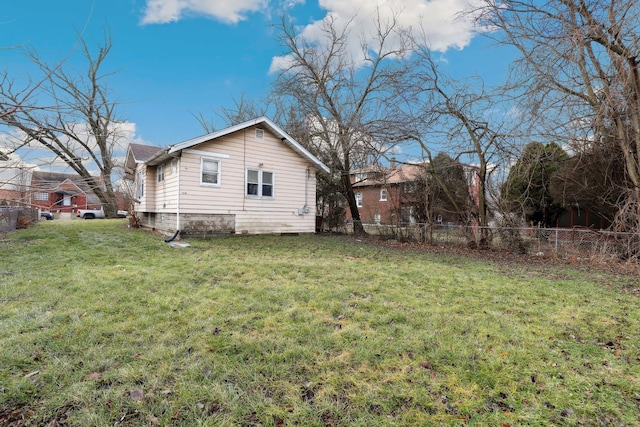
column 163, row 11
column 442, row 20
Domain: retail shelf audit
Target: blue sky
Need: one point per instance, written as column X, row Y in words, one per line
column 173, row 59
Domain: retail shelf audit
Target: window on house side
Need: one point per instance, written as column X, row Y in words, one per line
column 259, row 133
column 259, row 183
column 359, row 199
column 267, row 184
column 409, row 187
column 210, row 172
column 41, row 196
column 160, row 173
column 383, row 195
column 376, row 218
column 139, row 184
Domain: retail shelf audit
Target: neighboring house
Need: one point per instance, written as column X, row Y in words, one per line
column 62, row 192
column 388, row 195
column 252, row 178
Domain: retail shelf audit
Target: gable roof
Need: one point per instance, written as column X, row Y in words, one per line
column 286, row 139
column 394, row 175
column 142, row 153
column 55, row 181
column 380, row 175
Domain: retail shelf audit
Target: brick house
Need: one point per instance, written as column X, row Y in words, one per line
column 61, row 192
column 388, row 195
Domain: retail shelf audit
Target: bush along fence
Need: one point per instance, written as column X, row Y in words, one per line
column 558, row 242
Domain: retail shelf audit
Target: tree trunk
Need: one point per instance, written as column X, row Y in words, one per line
column 358, row 228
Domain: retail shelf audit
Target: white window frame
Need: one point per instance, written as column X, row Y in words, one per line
column 383, row 195
column 259, row 133
column 139, row 184
column 160, row 173
column 359, row 197
column 360, row 176
column 41, row 196
column 409, row 187
column 260, row 184
column 218, row 174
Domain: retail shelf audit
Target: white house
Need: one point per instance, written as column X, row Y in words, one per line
column 252, row 178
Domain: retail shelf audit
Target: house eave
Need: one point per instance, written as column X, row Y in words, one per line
column 263, row 121
column 161, row 157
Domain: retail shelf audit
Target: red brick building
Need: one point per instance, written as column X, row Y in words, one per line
column 61, row 192
column 388, row 195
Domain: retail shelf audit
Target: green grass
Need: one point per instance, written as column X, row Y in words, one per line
column 104, row 325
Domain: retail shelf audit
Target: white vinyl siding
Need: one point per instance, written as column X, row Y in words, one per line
column 236, row 153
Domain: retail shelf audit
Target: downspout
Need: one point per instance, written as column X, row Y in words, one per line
column 306, row 189
column 178, row 198
column 175, row 235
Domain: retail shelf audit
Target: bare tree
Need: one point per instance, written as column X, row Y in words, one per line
column 579, row 75
column 243, row 109
column 460, row 117
column 71, row 115
column 339, row 94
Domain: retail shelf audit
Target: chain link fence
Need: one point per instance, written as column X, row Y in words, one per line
column 578, row 243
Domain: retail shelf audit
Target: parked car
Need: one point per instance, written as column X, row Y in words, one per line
column 97, row 213
column 46, row 215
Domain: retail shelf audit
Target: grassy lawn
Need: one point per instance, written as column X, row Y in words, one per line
column 101, row 325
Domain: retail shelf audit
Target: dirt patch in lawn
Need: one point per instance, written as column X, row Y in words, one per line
column 15, row 416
